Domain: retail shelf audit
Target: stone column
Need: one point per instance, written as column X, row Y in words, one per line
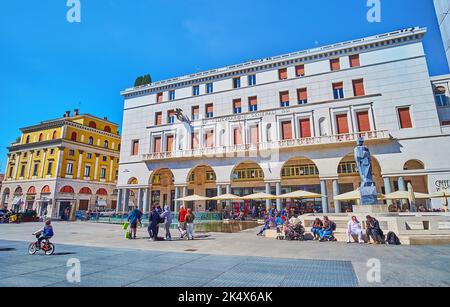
column 228, row 203
column 337, row 204
column 324, row 192
column 44, row 157
column 177, row 202
column 278, row 192
column 268, row 201
column 59, row 161
column 97, row 156
column 402, row 187
column 80, row 162
column 139, row 199
column 219, row 192
column 146, row 200
column 387, row 188
column 111, row 163
column 126, row 200
column 30, row 166
column 119, row 201
column 16, row 166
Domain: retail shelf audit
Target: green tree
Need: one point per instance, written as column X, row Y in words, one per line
column 139, row 81
column 147, row 79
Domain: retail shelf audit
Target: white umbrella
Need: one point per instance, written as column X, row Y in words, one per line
column 193, row 198
column 227, row 197
column 404, row 195
column 300, row 195
column 260, row 196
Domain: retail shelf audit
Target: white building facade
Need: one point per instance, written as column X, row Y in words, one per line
column 288, row 122
column 443, row 13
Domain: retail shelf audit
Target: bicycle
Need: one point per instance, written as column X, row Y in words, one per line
column 46, row 246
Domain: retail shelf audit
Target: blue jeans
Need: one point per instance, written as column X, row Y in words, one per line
column 325, row 234
column 316, row 231
column 263, row 229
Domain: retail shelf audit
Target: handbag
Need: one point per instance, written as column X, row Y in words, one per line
column 125, row 225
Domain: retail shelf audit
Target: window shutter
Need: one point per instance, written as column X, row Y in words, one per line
column 237, row 136
column 283, row 74
column 286, row 130
column 405, row 118
column 237, row 103
column 335, row 64
column 157, row 145
column 158, row 119
column 194, row 141
column 300, row 70
column 209, row 108
column 342, row 123
column 354, row 61
column 209, row 139
column 284, row 96
column 252, row 101
column 135, row 148
column 159, row 97
column 254, row 134
column 358, row 87
column 302, row 94
column 363, row 121
column 305, row 128
column 169, row 146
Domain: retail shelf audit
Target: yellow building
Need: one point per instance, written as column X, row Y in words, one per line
column 64, row 164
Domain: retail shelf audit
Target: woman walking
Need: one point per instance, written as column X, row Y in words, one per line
column 189, row 219
column 167, row 216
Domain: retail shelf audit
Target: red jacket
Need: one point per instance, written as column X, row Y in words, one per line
column 182, row 215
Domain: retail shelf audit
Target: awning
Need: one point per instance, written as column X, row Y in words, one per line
column 102, row 203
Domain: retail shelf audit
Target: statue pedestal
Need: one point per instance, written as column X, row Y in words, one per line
column 372, row 209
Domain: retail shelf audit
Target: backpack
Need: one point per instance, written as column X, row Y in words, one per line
column 333, row 226
column 392, row 239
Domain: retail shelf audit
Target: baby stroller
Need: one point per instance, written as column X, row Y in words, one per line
column 296, row 231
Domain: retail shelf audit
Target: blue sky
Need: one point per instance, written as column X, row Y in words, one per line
column 48, row 65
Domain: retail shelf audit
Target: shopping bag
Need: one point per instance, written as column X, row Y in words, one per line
column 127, row 235
column 125, row 225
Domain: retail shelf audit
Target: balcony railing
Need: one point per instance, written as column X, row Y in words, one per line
column 226, row 151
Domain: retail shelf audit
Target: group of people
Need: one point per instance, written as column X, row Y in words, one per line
column 323, row 230
column 158, row 216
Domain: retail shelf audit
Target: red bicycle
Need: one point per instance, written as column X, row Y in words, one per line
column 46, row 246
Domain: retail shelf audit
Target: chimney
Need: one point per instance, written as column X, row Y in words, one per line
column 76, row 112
column 67, row 114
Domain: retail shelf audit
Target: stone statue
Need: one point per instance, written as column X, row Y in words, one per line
column 369, row 195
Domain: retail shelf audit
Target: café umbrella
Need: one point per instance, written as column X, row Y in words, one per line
column 227, row 197
column 353, row 195
column 193, row 198
column 404, row 195
column 442, row 194
column 260, row 196
column 300, row 195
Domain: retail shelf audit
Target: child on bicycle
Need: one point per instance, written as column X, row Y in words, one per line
column 45, row 233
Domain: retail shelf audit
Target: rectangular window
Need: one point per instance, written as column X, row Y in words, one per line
column 305, row 128
column 22, row 170
column 342, row 123
column 171, row 95
column 135, row 148
column 302, row 96
column 338, row 90
column 105, row 159
column 300, row 70
column 71, row 152
column 209, row 88
column 11, row 169
column 237, row 82
column 254, row 134
column 363, row 121
column 35, row 169
column 157, row 144
column 354, row 60
column 103, row 173
column 159, row 97
column 446, row 123
column 196, row 90
column 335, row 64
column 88, row 156
column 87, row 171
column 194, row 140
column 209, row 110
column 252, row 80
column 284, row 99
column 286, row 130
column 169, row 143
column 237, row 106
column 404, row 116
column 195, row 113
column 358, row 88
column 158, row 118
column 253, row 104
column 282, row 74
column 209, row 139
column 237, row 132
column 171, row 116
column 69, row 169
